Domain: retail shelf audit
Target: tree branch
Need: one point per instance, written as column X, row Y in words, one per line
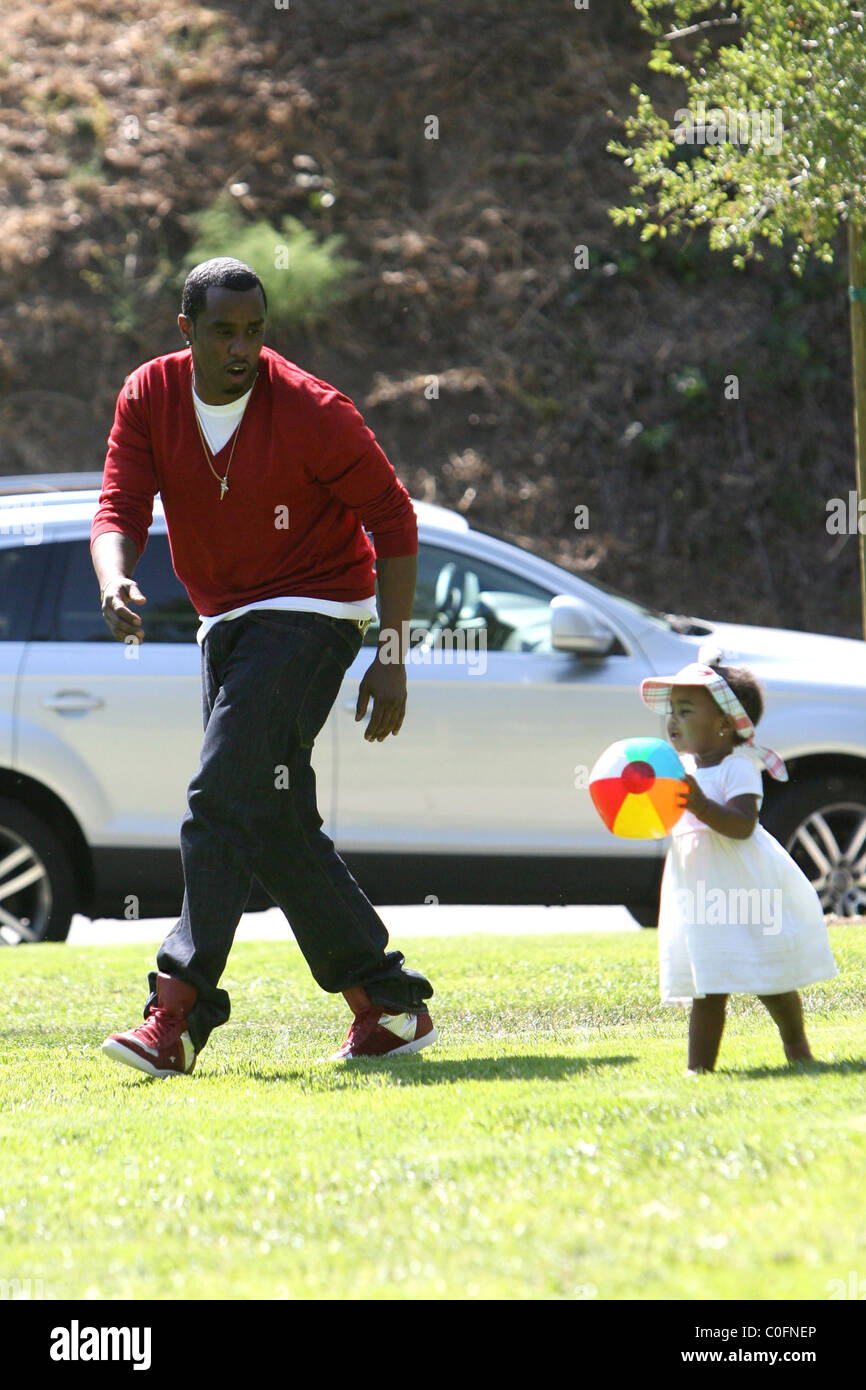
column 704, row 24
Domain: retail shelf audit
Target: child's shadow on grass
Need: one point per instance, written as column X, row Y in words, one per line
column 853, row 1065
column 422, row 1072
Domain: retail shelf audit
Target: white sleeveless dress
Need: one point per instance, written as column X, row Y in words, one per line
column 736, row 916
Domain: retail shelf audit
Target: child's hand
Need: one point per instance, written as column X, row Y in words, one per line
column 693, row 799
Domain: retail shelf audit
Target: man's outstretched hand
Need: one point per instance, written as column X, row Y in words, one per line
column 385, row 682
column 123, row 623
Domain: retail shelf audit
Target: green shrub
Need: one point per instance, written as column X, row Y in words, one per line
column 303, row 278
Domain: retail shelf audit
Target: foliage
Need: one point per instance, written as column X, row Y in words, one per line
column 803, row 72
column 304, row 279
column 690, row 384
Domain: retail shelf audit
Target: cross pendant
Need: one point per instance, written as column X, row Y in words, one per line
column 224, row 487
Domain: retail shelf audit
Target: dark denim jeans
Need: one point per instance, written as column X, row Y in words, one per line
column 269, row 681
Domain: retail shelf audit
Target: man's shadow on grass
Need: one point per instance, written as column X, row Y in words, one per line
column 852, row 1066
column 419, row 1071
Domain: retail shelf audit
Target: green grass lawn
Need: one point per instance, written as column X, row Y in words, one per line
column 550, row 1146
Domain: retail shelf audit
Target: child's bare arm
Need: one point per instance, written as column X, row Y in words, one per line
column 736, row 818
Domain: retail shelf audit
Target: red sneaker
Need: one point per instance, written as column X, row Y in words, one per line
column 161, row 1046
column 378, row 1033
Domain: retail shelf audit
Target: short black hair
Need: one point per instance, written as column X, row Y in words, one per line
column 746, row 689
column 223, row 273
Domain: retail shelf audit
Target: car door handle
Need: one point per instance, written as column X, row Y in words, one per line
column 350, row 705
column 72, row 702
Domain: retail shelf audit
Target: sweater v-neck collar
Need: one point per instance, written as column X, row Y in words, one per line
column 191, row 398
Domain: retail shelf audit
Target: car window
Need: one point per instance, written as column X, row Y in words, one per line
column 21, row 569
column 457, row 591
column 670, row 622
column 168, row 615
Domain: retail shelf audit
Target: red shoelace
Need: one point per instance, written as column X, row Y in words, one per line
column 161, row 1029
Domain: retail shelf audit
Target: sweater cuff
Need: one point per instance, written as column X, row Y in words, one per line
column 392, row 544
column 104, row 524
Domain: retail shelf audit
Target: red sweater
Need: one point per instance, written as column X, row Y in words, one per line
column 303, row 448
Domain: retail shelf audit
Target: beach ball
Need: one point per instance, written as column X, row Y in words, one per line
column 635, row 787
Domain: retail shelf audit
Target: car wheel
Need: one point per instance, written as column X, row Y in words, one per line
column 822, row 825
column 37, row 881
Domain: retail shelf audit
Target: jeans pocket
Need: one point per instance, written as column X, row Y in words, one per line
column 350, row 636
column 321, row 694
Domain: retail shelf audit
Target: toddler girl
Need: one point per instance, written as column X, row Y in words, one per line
column 736, row 913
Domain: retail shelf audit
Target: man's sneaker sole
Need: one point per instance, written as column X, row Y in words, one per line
column 119, row 1052
column 414, row 1046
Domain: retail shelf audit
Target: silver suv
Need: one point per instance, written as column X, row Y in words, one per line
column 519, row 675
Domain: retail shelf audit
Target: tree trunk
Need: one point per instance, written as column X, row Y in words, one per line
column 857, row 295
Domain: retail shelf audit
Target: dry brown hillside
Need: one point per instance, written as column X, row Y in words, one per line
column 557, row 387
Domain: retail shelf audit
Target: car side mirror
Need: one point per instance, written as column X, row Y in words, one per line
column 574, row 627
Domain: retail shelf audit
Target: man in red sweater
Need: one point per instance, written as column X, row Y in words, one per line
column 268, row 478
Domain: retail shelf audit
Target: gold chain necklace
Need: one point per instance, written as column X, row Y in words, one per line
column 223, row 482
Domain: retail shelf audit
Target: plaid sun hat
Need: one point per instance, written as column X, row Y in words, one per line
column 655, row 692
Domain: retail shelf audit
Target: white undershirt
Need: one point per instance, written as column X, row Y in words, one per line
column 219, row 423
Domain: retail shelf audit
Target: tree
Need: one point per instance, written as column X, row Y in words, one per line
column 770, row 143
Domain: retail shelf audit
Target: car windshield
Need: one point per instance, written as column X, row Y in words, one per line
column 678, row 622
column 675, row 622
